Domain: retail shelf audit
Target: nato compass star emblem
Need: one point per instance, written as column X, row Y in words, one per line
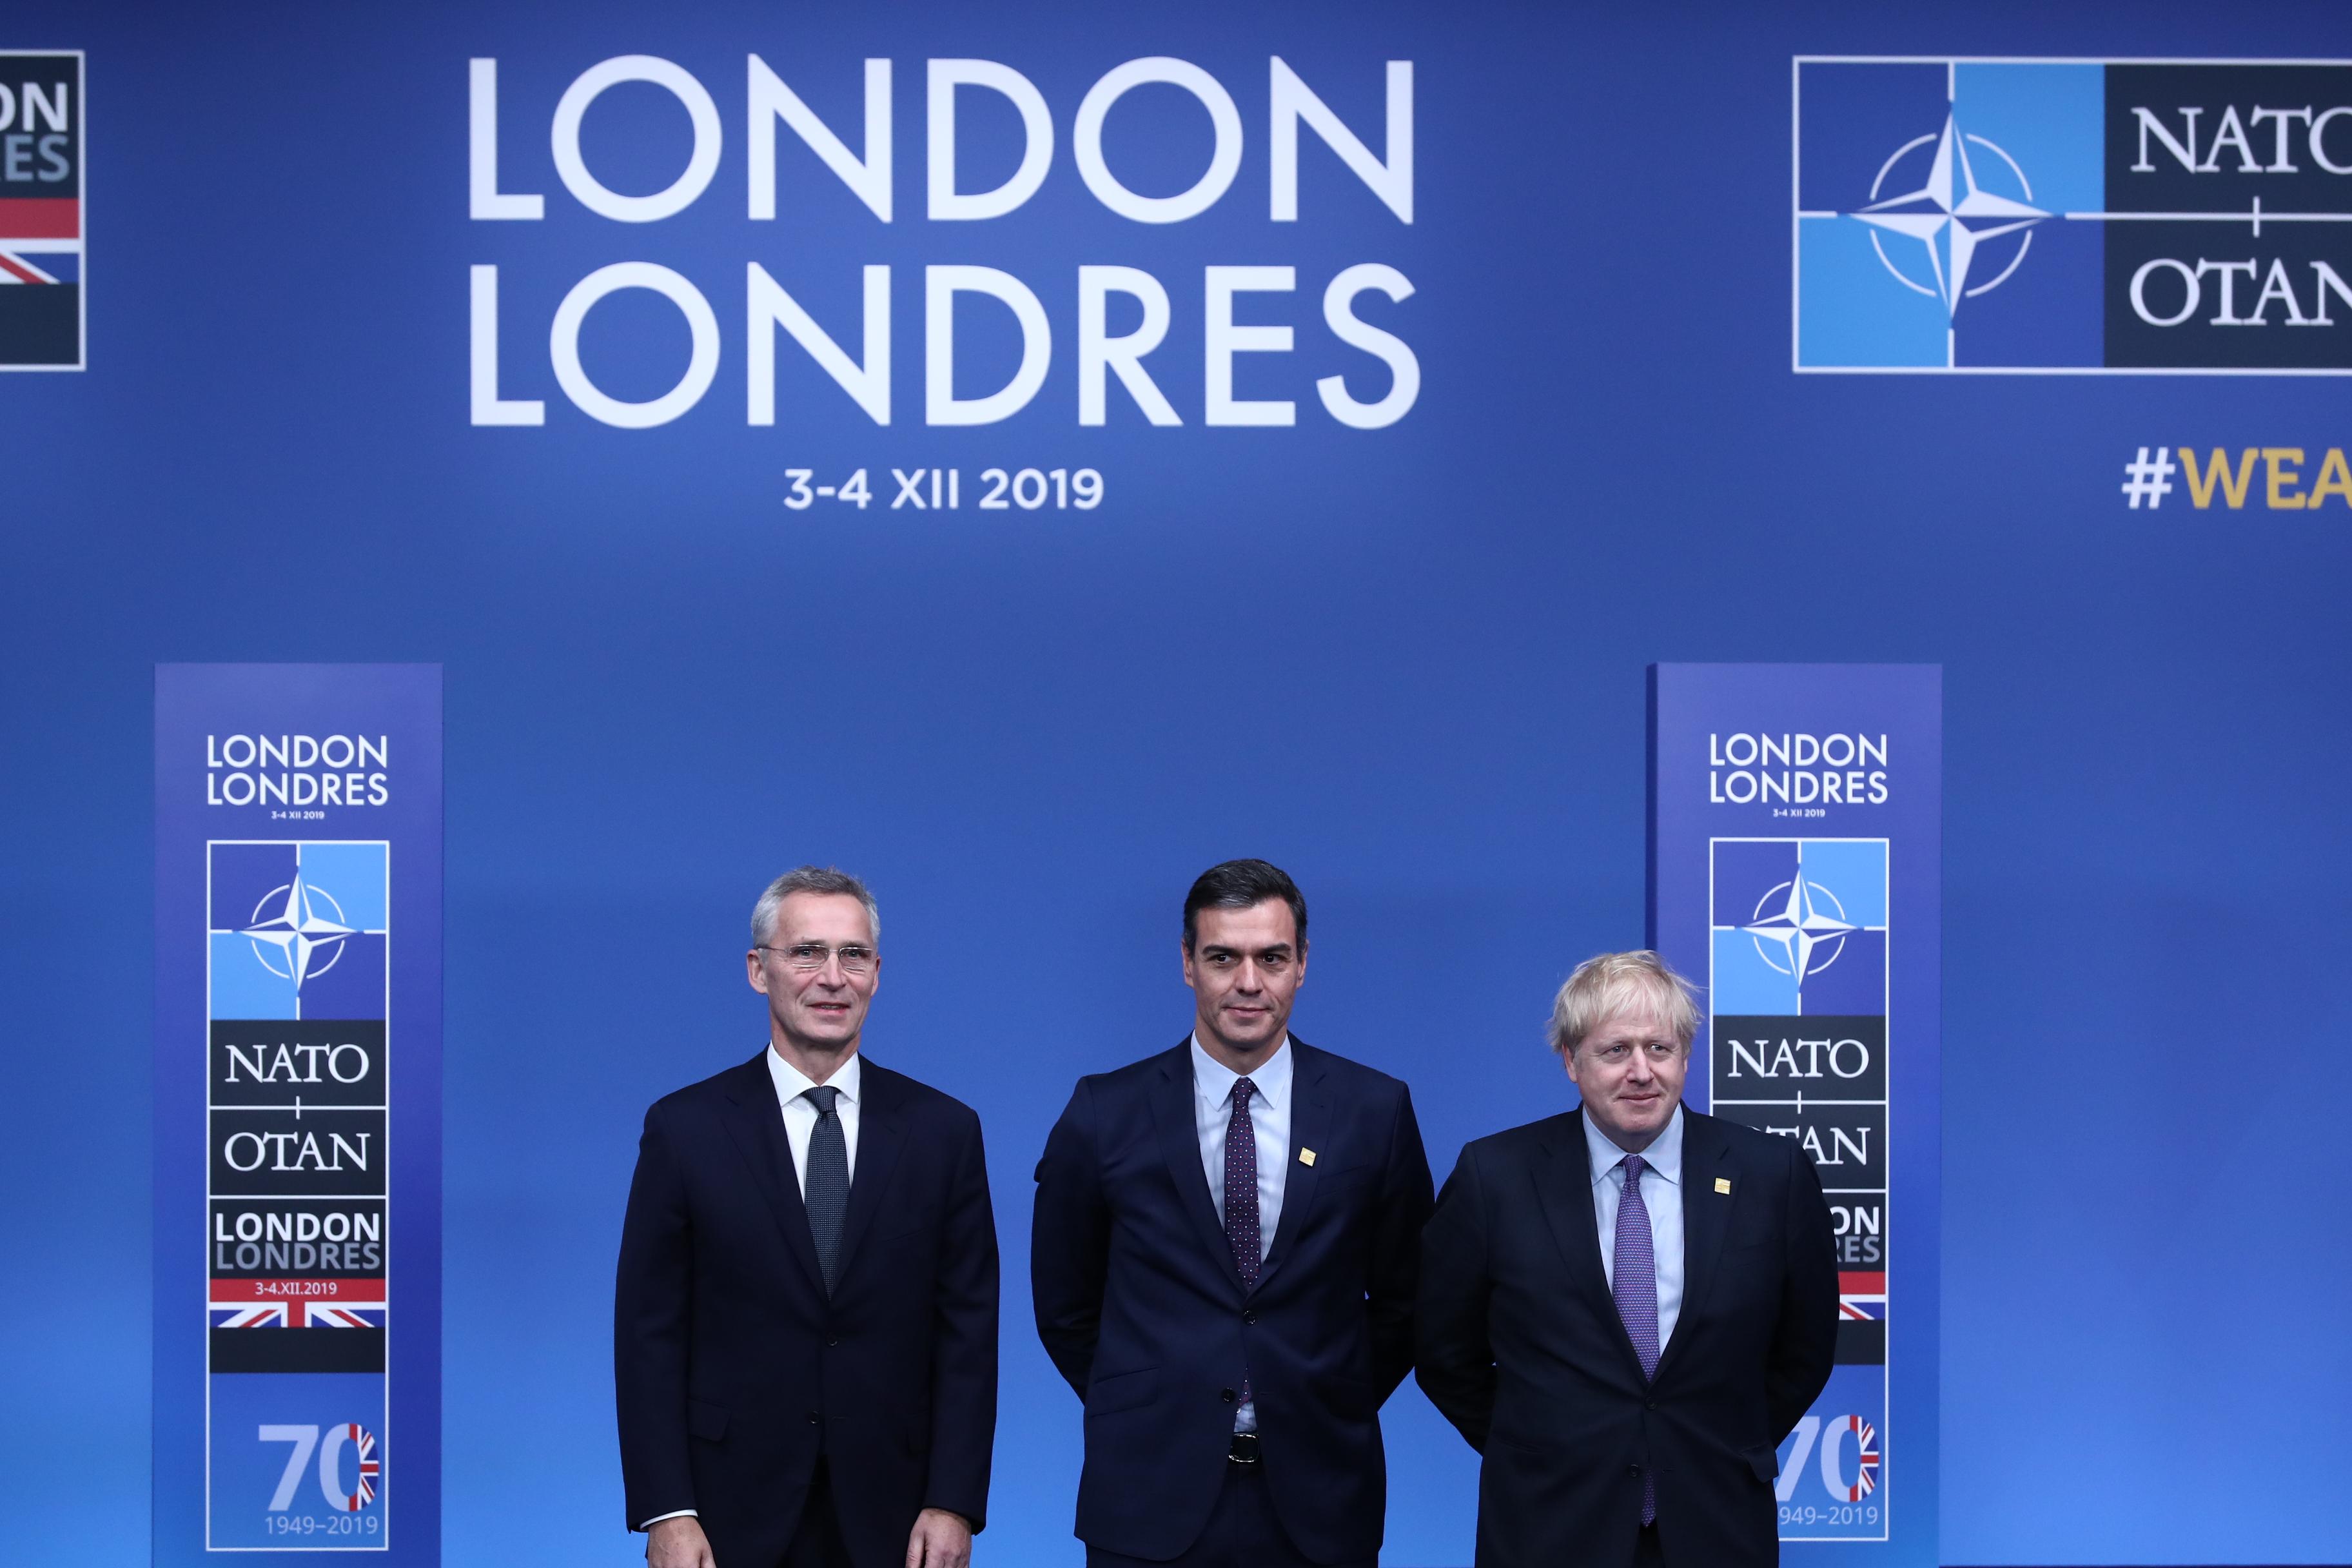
column 1806, row 928
column 304, row 940
column 1951, row 217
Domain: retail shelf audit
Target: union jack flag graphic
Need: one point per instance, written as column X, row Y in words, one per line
column 362, row 1442
column 1866, row 1458
column 1862, row 1298
column 298, row 1304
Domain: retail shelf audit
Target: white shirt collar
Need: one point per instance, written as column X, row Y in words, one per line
column 1664, row 1154
column 792, row 1083
column 1214, row 1081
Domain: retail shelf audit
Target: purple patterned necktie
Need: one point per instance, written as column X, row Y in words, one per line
column 1241, row 1195
column 1634, row 1281
column 1240, row 1186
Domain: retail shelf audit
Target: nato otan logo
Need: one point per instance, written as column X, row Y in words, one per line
column 1799, row 926
column 2073, row 217
column 41, row 140
column 297, row 929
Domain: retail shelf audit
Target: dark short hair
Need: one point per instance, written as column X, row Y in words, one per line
column 1242, row 885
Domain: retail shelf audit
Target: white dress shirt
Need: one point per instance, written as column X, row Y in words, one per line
column 800, row 1124
column 799, row 1111
column 1269, row 1114
column 1662, row 1195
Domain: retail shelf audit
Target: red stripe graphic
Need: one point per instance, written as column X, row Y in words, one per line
column 45, row 218
column 1862, row 1284
column 21, row 274
column 296, row 1292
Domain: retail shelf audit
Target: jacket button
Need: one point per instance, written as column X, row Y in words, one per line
column 1225, row 1395
column 1250, row 1316
column 813, row 1417
column 830, row 1340
column 1652, row 1406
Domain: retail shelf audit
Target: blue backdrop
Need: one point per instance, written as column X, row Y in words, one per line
column 1406, row 663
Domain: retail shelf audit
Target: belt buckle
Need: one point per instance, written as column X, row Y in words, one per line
column 1244, row 1448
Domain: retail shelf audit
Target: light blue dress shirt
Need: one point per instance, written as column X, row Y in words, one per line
column 1269, row 1113
column 1662, row 1195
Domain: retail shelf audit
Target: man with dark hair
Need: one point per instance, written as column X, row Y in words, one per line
column 1241, row 885
column 1223, row 1265
column 805, row 1326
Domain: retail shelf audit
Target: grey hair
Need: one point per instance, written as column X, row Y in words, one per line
column 1614, row 984
column 811, row 879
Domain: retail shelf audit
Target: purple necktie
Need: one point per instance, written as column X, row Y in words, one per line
column 1241, row 1195
column 1634, row 1281
column 1240, row 1186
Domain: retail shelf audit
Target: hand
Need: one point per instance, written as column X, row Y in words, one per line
column 940, row 1540
column 679, row 1543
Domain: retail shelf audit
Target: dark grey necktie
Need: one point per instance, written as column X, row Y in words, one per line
column 827, row 1191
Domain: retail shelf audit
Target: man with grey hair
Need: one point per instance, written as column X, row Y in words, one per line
column 805, row 1322
column 1626, row 1308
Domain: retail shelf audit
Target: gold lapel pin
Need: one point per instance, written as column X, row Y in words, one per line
column 1306, row 1156
column 1723, row 1184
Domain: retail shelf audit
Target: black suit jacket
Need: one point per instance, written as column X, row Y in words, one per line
column 734, row 1372
column 1140, row 1307
column 1521, row 1347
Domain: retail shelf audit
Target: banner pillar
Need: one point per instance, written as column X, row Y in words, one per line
column 1795, row 874
column 298, row 1113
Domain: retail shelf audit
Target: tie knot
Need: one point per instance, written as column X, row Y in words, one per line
column 823, row 1097
column 1242, row 1090
column 1633, row 1167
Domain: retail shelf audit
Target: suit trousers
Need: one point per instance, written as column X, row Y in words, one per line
column 817, row 1542
column 1242, row 1533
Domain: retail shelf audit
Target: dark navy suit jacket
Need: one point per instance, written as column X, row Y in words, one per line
column 1522, row 1349
column 734, row 1372
column 1140, row 1307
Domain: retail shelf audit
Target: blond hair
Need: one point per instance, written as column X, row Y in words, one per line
column 1615, row 985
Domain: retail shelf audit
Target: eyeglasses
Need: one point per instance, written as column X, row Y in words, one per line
column 807, row 957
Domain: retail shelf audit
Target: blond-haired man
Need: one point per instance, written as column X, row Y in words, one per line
column 1626, row 1309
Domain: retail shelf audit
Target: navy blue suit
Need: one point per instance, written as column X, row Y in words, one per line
column 736, row 1374
column 1142, row 1308
column 1522, row 1348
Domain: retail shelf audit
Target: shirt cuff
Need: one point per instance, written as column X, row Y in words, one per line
column 681, row 1514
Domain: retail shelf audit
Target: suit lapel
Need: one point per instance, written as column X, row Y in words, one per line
column 1310, row 1128
column 757, row 1126
column 1180, row 1145
column 881, row 1138
column 1706, row 1219
column 1564, row 1188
